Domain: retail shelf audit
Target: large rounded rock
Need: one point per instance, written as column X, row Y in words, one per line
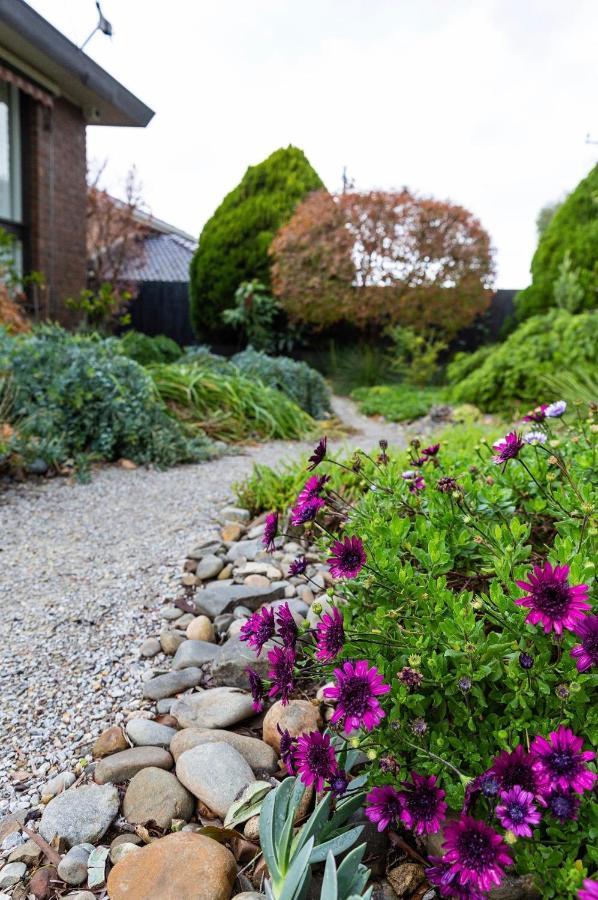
column 215, row 774
column 209, row 567
column 122, row 766
column 260, row 756
column 145, row 733
column 194, row 653
column 112, row 740
column 182, row 866
column 201, row 629
column 157, row 796
column 214, row 708
column 298, row 717
column 72, row 868
column 171, row 683
column 80, row 815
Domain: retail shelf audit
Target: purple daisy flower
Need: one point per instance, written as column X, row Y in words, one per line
column 555, row 410
column 356, row 691
column 517, row 812
column 446, row 485
column 256, row 686
column 330, row 636
column 526, row 661
column 287, row 627
column 339, row 783
column 306, row 512
column 536, row 415
column 298, row 566
column 258, row 629
column 443, row 876
column 318, row 455
column 282, row 662
column 476, row 853
column 411, row 678
column 586, row 653
column 563, row 805
column 563, row 760
column 422, row 804
column 486, row 784
column 382, row 806
column 288, row 749
column 507, row 448
column 312, row 488
column 315, row 759
column 519, row 767
column 534, row 437
column 589, row 890
column 432, row 450
column 408, row 475
column 348, row 558
column 270, row 531
column 417, row 484
column 554, row 603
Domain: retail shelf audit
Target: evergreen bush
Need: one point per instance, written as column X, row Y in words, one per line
column 295, row 379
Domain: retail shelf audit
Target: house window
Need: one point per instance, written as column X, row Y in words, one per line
column 11, row 211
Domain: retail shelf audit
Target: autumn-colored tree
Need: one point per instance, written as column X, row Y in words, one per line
column 380, row 258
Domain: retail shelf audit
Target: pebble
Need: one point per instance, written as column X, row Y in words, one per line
column 233, row 658
column 221, row 598
column 244, row 550
column 80, row 815
column 232, row 532
column 298, row 717
column 217, row 707
column 259, row 755
column 58, row 784
column 215, row 774
column 121, row 850
column 145, row 733
column 171, row 683
column 201, row 629
column 234, row 514
column 12, row 873
column 41, row 883
column 150, row 648
column 170, row 641
column 158, row 796
column 209, row 567
column 259, row 581
column 124, row 765
column 171, row 613
column 80, row 895
column 194, row 653
column 29, row 853
column 204, row 549
column 73, row 866
column 110, row 741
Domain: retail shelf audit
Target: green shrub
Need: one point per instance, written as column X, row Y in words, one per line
column 75, row 396
column 513, row 372
column 573, row 230
column 353, row 366
column 146, row 350
column 234, row 243
column 463, row 364
column 397, row 402
column 295, row 379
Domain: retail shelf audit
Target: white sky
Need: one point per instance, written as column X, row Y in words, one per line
column 483, row 102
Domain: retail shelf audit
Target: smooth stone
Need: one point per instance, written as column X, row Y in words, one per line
column 215, row 774
column 221, row 598
column 194, row 653
column 163, row 706
column 241, row 612
column 234, row 514
column 180, row 866
column 11, row 874
column 170, row 641
column 171, row 613
column 73, row 866
column 221, row 623
column 122, row 766
column 145, row 733
column 226, row 572
column 205, row 549
column 150, row 648
column 298, row 717
column 185, row 619
column 251, row 831
column 259, row 755
column 259, row 568
column 217, row 707
column 232, row 532
column 112, row 740
column 297, row 606
column 126, row 838
column 81, row 815
column 244, row 550
column 234, row 656
column 249, row 895
column 58, row 784
column 121, row 850
column 201, row 629
column 29, row 853
column 209, row 567
column 40, row 884
column 235, row 628
column 80, row 895
column 258, row 581
column 154, row 795
column 172, row 683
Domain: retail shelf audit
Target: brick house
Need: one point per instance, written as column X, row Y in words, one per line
column 50, row 91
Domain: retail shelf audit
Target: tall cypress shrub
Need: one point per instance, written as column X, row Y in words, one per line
column 233, row 246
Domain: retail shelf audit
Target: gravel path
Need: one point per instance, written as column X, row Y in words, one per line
column 83, row 571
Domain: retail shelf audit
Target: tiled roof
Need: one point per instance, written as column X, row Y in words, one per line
column 166, row 257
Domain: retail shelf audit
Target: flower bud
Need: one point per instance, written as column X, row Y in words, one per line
column 317, row 607
column 372, row 754
column 354, row 742
column 510, row 838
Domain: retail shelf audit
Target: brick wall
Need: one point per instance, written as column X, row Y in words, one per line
column 54, row 186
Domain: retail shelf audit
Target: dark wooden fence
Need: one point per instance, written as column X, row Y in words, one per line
column 162, row 307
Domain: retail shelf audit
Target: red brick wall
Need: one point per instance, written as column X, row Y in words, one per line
column 54, row 186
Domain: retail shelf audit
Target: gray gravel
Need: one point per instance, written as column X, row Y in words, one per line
column 84, row 569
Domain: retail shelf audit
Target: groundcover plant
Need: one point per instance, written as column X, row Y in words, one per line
column 459, row 649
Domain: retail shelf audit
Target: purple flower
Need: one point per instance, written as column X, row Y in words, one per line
column 554, row 603
column 330, row 636
column 536, row 415
column 476, row 853
column 534, row 437
column 315, row 759
column 411, row 678
column 487, row 783
column 563, row 760
column 444, row 876
column 417, row 484
column 258, row 629
column 282, row 662
column 312, row 488
column 298, row 566
column 318, row 455
column 348, row 558
column 382, row 806
column 507, row 448
column 586, row 653
column 563, row 805
column 526, row 661
column 356, row 690
column 287, row 627
column 422, row 804
column 256, row 686
column 306, row 512
column 270, row 532
column 520, row 768
column 589, row 890
column 288, row 749
column 555, row 410
column 517, row 811
column 446, row 485
column 339, row 783
column 432, row 450
column 409, row 474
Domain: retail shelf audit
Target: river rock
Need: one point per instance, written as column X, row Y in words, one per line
column 170, row 641
column 11, row 874
column 234, row 514
column 234, row 656
column 58, row 784
column 215, row 774
column 205, row 549
column 298, row 717
column 405, row 878
column 256, row 753
column 217, row 707
column 145, row 733
column 258, row 581
column 244, row 550
column 221, row 597
column 73, row 866
column 201, row 629
column 122, row 849
column 112, row 740
column 181, row 865
column 194, row 653
column 209, row 567
column 150, row 648
column 79, row 895
column 171, row 613
column 172, row 683
column 157, row 796
column 231, row 532
column 81, row 815
column 249, row 895
column 122, row 766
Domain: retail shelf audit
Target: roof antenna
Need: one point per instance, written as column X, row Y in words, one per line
column 103, row 25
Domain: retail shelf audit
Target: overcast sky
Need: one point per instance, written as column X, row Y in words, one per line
column 484, row 103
